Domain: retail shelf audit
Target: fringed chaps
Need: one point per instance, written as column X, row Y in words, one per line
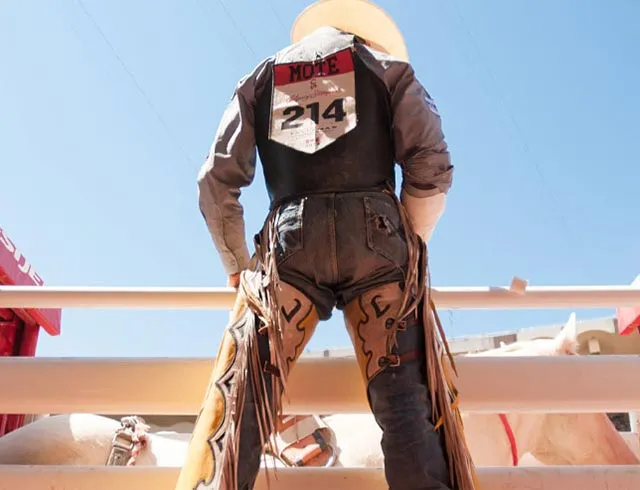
column 212, row 458
column 213, row 451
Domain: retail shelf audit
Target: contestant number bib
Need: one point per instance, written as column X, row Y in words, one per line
column 313, row 103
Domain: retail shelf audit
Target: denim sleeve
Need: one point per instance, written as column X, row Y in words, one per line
column 420, row 146
column 229, row 166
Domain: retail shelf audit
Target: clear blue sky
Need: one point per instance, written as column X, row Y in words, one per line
column 102, row 136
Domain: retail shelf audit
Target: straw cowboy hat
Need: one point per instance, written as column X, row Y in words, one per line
column 359, row 17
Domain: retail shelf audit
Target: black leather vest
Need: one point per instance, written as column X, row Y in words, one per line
column 362, row 159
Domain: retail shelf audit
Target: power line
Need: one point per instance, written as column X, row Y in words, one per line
column 275, row 13
column 235, row 25
column 134, row 80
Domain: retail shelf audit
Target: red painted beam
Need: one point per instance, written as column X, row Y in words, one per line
column 15, row 270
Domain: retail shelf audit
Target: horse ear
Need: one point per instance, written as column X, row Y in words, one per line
column 567, row 339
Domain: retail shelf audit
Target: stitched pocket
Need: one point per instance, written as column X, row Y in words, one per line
column 385, row 234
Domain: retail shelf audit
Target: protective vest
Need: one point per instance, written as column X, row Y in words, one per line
column 323, row 121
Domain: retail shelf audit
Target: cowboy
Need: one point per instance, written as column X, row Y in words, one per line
column 330, row 115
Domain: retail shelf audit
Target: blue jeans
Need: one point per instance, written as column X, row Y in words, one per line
column 338, row 250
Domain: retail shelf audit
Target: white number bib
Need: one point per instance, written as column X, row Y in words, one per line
column 313, row 103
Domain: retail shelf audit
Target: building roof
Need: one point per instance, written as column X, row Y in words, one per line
column 486, row 341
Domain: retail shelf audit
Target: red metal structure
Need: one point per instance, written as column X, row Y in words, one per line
column 629, row 318
column 19, row 328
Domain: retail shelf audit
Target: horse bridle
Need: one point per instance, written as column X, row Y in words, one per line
column 511, row 437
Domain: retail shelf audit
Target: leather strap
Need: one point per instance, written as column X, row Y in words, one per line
column 303, row 440
column 512, row 438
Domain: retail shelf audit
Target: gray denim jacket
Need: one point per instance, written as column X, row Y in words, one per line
column 420, row 149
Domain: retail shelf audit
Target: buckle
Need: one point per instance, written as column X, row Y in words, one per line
column 332, row 456
column 325, row 446
column 121, row 447
column 390, row 360
column 394, row 360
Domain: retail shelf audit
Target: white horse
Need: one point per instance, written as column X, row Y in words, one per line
column 552, row 439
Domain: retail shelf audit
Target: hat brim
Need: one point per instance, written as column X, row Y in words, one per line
column 359, row 17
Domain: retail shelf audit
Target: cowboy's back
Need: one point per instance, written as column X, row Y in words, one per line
column 396, row 121
column 329, row 117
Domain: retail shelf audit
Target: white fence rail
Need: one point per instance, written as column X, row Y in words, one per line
column 140, row 478
column 176, row 386
column 222, row 298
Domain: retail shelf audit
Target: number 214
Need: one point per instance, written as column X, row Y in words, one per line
column 335, row 110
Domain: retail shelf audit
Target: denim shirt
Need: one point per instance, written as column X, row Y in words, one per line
column 420, row 148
